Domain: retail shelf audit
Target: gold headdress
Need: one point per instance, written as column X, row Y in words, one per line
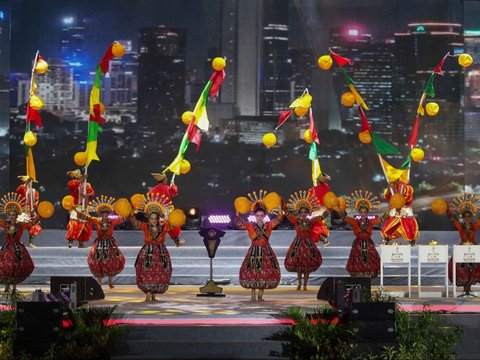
column 12, row 202
column 257, row 200
column 360, row 198
column 466, row 203
column 303, row 199
column 102, row 203
column 154, row 203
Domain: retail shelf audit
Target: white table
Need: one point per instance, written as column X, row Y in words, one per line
column 398, row 255
column 432, row 254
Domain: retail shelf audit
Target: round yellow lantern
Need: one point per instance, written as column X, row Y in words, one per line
column 68, row 202
column 80, row 158
column 187, row 116
column 348, row 99
column 30, row 139
column 36, row 102
column 118, row 50
column 123, row 207
column 432, row 108
column 439, row 206
column 365, row 137
column 41, row 66
column 242, row 205
column 185, row 167
column 45, row 209
column 330, row 200
column 301, row 111
column 465, row 60
column 325, row 62
column 219, row 64
column 272, row 201
column 307, row 136
column 397, row 201
column 177, row 218
column 417, row 154
column 269, row 139
column 137, row 200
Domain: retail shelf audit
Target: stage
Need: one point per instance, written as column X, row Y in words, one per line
column 185, row 326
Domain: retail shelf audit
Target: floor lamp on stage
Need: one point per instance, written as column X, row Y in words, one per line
column 211, row 239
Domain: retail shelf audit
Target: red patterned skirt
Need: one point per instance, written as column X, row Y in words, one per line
column 396, row 227
column 79, row 231
column 105, row 258
column 15, row 263
column 364, row 260
column 466, row 273
column 153, row 268
column 260, row 269
column 303, row 256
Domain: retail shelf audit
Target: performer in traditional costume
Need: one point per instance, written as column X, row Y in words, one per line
column 78, row 229
column 105, row 258
column 153, row 266
column 162, row 188
column 31, row 197
column 303, row 256
column 401, row 222
column 260, row 269
column 15, row 262
column 463, row 213
column 364, row 260
column 320, row 230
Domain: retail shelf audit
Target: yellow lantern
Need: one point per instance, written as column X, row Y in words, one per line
column 465, row 60
column 118, row 50
column 41, row 66
column 365, row 137
column 307, row 136
column 137, row 200
column 80, row 158
column 187, row 117
column 439, row 206
column 330, row 200
column 301, row 111
column 397, row 201
column 242, row 205
column 432, row 108
column 185, row 167
column 219, row 64
column 30, row 139
column 177, row 218
column 36, row 102
column 45, row 209
column 123, row 207
column 325, row 62
column 269, row 139
column 417, row 154
column 68, row 202
column 272, row 201
column 348, row 99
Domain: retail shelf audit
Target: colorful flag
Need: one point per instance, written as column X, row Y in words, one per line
column 316, row 171
column 358, row 99
column 313, row 129
column 412, row 142
column 383, row 147
column 438, row 69
column 284, row 115
column 303, row 101
column 393, row 174
column 429, row 90
column 340, row 60
column 364, row 120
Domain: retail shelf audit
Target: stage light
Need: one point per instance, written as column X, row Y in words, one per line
column 352, row 32
column 194, row 221
column 68, row 20
column 219, row 219
column 193, row 213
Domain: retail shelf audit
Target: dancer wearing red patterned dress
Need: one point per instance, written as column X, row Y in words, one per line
column 401, row 223
column 15, row 262
column 78, row 229
column 260, row 269
column 465, row 207
column 153, row 266
column 31, row 196
column 303, row 256
column 105, row 259
column 364, row 260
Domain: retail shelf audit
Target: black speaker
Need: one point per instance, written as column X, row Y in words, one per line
column 38, row 326
column 87, row 287
column 341, row 291
column 373, row 321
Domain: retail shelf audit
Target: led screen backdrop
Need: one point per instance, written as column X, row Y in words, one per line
column 271, row 47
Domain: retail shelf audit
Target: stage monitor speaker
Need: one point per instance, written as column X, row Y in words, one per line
column 340, row 291
column 373, row 321
column 87, row 288
column 38, row 326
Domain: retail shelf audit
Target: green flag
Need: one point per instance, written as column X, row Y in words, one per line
column 383, row 147
column 313, row 154
column 429, row 90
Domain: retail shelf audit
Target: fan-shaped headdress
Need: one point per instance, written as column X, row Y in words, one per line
column 156, row 203
column 12, row 202
column 466, row 202
column 102, row 203
column 303, row 199
column 361, row 198
column 257, row 200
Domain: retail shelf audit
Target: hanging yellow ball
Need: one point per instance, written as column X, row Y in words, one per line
column 219, row 64
column 365, row 137
column 36, row 102
column 432, row 108
column 118, row 50
column 301, row 111
column 307, row 136
column 41, row 66
column 30, row 139
column 185, row 167
column 80, row 158
column 348, row 99
column 325, row 62
column 439, row 206
column 269, row 139
column 68, row 202
column 465, row 60
column 45, row 209
column 417, row 154
column 187, row 117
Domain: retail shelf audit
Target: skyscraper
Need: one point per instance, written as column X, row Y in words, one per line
column 161, row 74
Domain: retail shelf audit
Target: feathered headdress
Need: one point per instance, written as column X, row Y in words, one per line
column 466, row 203
column 360, row 198
column 102, row 203
column 257, row 200
column 303, row 199
column 12, row 202
column 154, row 203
